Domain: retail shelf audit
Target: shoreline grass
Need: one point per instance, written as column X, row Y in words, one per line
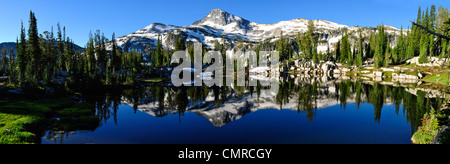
column 18, row 118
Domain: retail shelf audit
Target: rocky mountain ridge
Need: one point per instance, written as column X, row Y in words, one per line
column 231, row 30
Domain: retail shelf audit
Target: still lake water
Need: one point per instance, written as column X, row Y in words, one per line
column 310, row 113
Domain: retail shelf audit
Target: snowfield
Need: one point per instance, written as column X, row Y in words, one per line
column 220, row 25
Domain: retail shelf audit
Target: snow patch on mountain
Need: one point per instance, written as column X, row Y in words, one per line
column 220, row 25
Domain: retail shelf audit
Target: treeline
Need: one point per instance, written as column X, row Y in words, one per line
column 416, row 42
column 420, row 43
column 42, row 59
column 160, row 56
column 99, row 66
column 354, row 47
column 7, row 60
column 357, row 46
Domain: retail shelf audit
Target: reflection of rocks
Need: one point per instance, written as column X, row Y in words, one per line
column 430, row 93
column 235, row 107
column 311, row 93
column 218, row 119
column 264, row 71
column 153, row 109
column 225, row 114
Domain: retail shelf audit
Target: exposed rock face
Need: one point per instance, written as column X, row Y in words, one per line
column 238, row 34
column 432, row 62
column 218, row 17
column 404, row 76
column 308, row 70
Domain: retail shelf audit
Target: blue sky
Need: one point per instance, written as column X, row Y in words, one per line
column 127, row 16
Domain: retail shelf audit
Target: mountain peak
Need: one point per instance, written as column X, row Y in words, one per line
column 219, row 17
column 213, row 11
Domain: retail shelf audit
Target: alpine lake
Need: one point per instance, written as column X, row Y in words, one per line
column 303, row 111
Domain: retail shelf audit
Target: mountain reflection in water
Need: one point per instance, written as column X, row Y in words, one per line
column 223, row 105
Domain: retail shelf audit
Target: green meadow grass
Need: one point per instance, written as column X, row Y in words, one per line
column 17, row 115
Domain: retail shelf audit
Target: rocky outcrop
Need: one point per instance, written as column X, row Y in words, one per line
column 432, row 62
column 308, row 67
column 404, row 78
column 219, row 17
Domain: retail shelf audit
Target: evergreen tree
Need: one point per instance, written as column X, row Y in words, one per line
column 346, row 53
column 380, row 47
column 3, row 53
column 410, row 45
column 39, row 56
column 366, row 50
column 137, row 60
column 337, row 51
column 443, row 14
column 60, row 47
column 315, row 57
column 414, row 46
column 100, row 49
column 308, row 42
column 432, row 18
column 353, row 55
column 109, row 74
column 387, row 54
column 12, row 66
column 180, row 44
column 22, row 55
column 400, row 50
column 191, row 52
column 372, row 45
column 115, row 56
column 48, row 56
column 69, row 55
column 432, row 26
column 426, row 20
column 444, row 46
column 216, row 45
column 360, row 49
column 157, row 55
column 34, row 51
column 424, row 43
column 166, row 59
column 281, row 48
column 90, row 55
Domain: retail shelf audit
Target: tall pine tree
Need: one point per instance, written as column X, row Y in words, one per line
column 34, row 50
column 399, row 53
column 22, row 55
column 360, row 49
column 346, row 53
column 380, row 47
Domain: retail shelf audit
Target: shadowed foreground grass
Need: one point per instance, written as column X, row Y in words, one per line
column 18, row 117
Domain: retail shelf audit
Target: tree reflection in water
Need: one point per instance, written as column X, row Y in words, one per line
column 226, row 104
